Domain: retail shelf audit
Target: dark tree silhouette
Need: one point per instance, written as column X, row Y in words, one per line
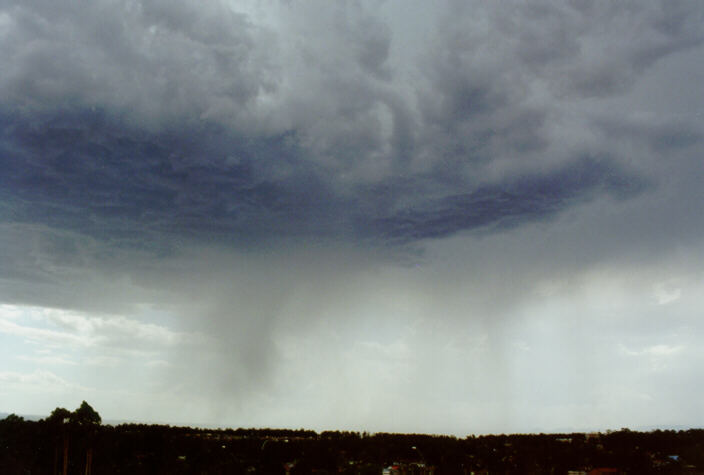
column 80, row 425
column 140, row 449
column 86, row 416
column 58, row 423
column 86, row 421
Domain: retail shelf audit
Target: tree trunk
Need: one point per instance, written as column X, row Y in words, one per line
column 89, row 460
column 65, row 456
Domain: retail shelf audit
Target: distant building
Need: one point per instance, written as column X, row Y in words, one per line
column 408, row 469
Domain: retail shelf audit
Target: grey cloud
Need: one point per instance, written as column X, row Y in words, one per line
column 490, row 59
column 606, row 46
column 512, row 203
column 661, row 136
column 332, row 79
column 89, row 174
column 347, row 136
column 152, row 62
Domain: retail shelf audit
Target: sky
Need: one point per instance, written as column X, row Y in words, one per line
column 455, row 217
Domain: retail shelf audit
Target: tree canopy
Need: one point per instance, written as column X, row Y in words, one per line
column 85, row 415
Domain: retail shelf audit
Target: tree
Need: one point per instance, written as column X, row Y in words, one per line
column 58, row 423
column 13, row 419
column 86, row 416
column 58, row 417
column 81, row 425
column 87, row 421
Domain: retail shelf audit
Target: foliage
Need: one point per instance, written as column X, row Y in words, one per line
column 85, row 416
column 59, row 416
column 159, row 449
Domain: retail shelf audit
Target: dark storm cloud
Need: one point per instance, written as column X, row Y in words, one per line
column 144, row 121
column 510, row 204
column 143, row 124
column 84, row 172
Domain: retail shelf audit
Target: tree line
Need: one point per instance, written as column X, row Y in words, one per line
column 75, row 442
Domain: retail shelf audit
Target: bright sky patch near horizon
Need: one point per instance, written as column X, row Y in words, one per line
column 458, row 217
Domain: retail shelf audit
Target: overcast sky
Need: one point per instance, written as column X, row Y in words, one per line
column 446, row 217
